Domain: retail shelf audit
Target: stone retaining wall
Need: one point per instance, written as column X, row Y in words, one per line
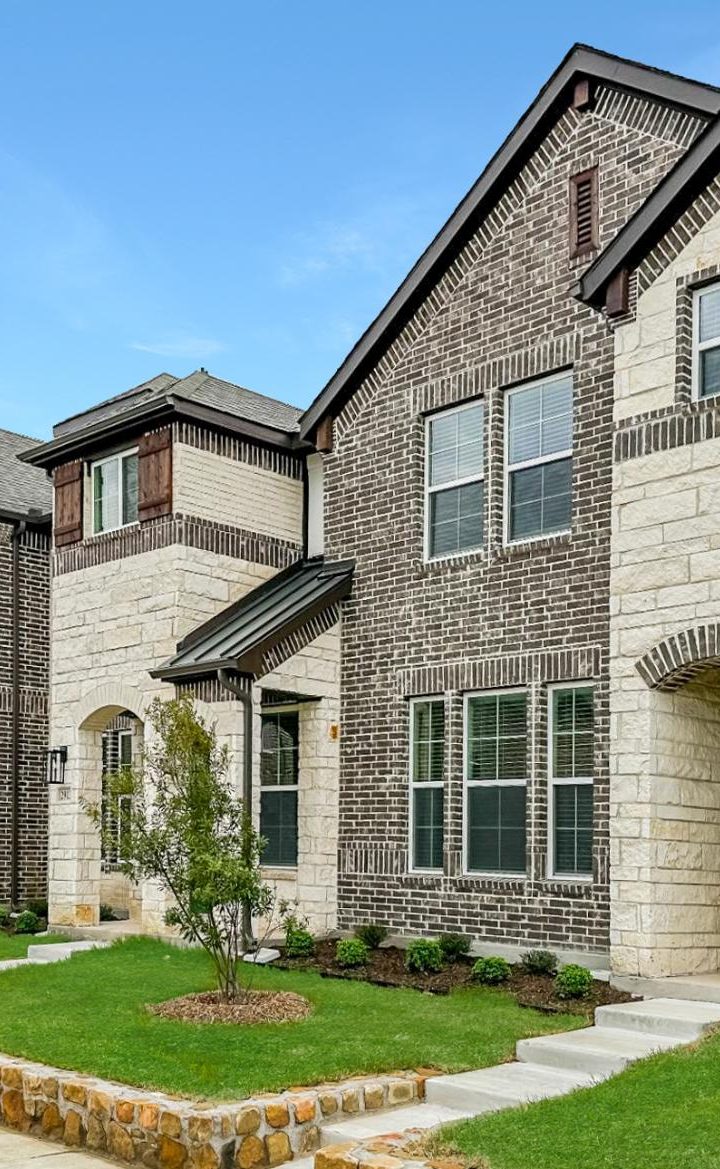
column 162, row 1132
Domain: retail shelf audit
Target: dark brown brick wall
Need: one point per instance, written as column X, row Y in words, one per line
column 34, row 664
column 528, row 614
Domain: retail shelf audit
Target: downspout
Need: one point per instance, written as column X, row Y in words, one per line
column 18, row 533
column 245, row 698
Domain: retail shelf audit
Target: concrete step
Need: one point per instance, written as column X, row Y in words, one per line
column 599, row 1051
column 703, row 988
column 682, row 1020
column 11, row 963
column 59, row 951
column 504, row 1086
column 393, row 1120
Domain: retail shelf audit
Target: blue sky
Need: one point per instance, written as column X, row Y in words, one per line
column 242, row 186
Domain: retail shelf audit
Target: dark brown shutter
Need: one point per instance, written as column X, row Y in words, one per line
column 155, row 474
column 584, row 212
column 68, row 481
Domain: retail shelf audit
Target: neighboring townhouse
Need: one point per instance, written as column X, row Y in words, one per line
column 173, row 503
column 506, row 585
column 25, row 507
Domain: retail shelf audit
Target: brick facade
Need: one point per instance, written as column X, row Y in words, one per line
column 533, row 613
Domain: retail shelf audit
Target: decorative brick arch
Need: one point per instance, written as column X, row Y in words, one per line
column 102, row 703
column 680, row 658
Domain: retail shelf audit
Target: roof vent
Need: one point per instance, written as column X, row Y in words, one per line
column 584, row 212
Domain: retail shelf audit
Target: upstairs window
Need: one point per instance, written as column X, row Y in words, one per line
column 455, row 496
column 706, row 348
column 427, row 762
column 115, row 492
column 584, row 212
column 539, row 458
column 279, row 786
column 571, row 780
column 495, row 782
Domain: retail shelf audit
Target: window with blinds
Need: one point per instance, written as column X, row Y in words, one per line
column 427, row 765
column 279, row 786
column 495, row 781
column 455, row 492
column 538, row 464
column 584, row 212
column 706, row 341
column 571, row 779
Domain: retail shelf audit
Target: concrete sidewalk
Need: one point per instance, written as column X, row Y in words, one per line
column 21, row 1152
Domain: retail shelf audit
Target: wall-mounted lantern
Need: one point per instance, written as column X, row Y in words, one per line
column 56, row 760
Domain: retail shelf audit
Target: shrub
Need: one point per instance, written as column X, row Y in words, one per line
column 491, row 971
column 372, row 935
column 454, row 946
column 299, row 942
column 351, row 952
column 539, row 962
column 107, row 913
column 39, row 907
column 27, row 922
column 4, row 917
column 424, row 957
column 573, row 982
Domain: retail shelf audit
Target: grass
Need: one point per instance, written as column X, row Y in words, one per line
column 15, row 945
column 659, row 1113
column 88, row 1014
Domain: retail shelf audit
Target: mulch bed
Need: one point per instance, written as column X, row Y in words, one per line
column 255, row 1006
column 386, row 967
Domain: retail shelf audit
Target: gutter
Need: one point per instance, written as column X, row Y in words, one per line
column 18, row 532
column 244, row 696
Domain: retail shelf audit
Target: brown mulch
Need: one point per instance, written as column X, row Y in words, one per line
column 255, row 1006
column 386, row 967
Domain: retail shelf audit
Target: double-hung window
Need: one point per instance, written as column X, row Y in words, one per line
column 427, row 759
column 279, row 786
column 115, row 492
column 455, row 495
column 571, row 779
column 706, row 347
column 495, row 782
column 539, row 461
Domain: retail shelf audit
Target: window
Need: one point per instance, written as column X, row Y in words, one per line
column 116, row 809
column 495, row 782
column 279, row 786
column 455, row 496
column 115, row 492
column 427, row 759
column 539, row 458
column 706, row 348
column 571, row 780
column 584, row 236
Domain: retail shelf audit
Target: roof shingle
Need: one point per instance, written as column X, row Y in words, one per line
column 24, row 490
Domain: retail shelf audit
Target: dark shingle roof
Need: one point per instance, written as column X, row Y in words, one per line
column 238, row 637
column 23, row 489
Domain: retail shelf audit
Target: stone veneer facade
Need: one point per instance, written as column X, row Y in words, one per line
column 524, row 615
column 120, row 603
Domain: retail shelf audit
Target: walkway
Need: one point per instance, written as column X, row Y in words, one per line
column 28, row 1153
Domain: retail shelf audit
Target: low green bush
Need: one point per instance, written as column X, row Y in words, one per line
column 424, row 956
column 372, row 935
column 454, row 946
column 38, row 906
column 539, row 962
column 107, row 913
column 4, row 917
column 351, row 952
column 27, row 922
column 299, row 942
column 573, row 982
column 491, row 971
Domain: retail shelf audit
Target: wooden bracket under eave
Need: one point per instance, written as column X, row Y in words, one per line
column 583, row 94
column 617, row 294
column 324, row 435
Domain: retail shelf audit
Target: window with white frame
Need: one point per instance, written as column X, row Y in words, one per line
column 571, row 779
column 706, row 347
column 115, row 491
column 116, row 807
column 539, row 463
column 455, row 495
column 427, row 762
column 495, row 782
column 279, row 786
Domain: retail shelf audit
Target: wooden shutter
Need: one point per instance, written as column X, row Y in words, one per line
column 155, row 474
column 584, row 212
column 68, row 481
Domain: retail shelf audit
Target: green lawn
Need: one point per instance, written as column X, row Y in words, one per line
column 15, row 945
column 662, row 1113
column 88, row 1014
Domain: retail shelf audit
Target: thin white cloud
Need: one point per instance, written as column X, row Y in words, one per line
column 181, row 347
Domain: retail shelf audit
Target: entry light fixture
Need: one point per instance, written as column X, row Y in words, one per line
column 56, row 760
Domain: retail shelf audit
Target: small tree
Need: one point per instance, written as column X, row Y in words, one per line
column 188, row 830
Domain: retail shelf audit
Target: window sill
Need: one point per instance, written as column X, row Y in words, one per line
column 471, row 556
column 535, row 544
column 96, row 537
column 279, row 872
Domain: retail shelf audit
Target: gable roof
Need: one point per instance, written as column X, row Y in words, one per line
column 582, row 62
column 25, row 492
column 690, row 175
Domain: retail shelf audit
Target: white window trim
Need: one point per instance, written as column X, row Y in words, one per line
column 120, row 456
column 567, row 878
column 426, row 783
column 433, row 490
column 114, row 865
column 281, row 708
column 699, row 346
column 523, row 464
column 489, row 874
